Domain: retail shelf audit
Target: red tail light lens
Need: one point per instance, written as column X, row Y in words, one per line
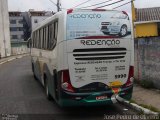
column 124, row 13
column 66, row 84
column 130, row 77
column 69, row 11
column 65, row 76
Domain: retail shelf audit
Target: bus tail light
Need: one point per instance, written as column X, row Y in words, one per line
column 69, row 11
column 124, row 12
column 66, row 84
column 130, row 77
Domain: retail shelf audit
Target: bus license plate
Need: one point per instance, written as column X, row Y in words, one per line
column 101, row 97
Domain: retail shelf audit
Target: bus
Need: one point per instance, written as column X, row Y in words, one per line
column 77, row 63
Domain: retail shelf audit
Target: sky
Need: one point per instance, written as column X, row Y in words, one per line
column 47, row 5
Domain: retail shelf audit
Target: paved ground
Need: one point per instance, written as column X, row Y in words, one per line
column 146, row 96
column 10, row 58
column 21, row 94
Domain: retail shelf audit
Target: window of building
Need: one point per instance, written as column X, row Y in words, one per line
column 16, row 29
column 20, row 21
column 14, row 37
column 13, row 29
column 22, row 36
column 19, row 29
column 13, row 21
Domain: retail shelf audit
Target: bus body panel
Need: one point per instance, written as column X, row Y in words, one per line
column 87, row 71
column 91, row 99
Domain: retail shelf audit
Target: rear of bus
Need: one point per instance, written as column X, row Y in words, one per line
column 99, row 66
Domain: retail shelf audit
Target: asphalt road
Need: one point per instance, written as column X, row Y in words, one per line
column 21, row 94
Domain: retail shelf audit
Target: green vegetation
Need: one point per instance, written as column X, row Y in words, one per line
column 150, row 107
column 133, row 101
column 147, row 84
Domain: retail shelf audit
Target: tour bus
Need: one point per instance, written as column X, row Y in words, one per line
column 77, row 63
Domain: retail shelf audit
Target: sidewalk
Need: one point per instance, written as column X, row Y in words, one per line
column 10, row 58
column 146, row 97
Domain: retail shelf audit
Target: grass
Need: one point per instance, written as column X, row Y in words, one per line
column 132, row 101
column 147, row 84
column 150, row 107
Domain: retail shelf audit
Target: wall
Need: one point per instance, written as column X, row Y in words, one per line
column 146, row 30
column 5, row 46
column 19, row 48
column 147, row 59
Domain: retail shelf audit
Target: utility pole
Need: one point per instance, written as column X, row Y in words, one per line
column 58, row 5
column 133, row 17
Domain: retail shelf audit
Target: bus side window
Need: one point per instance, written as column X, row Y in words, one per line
column 38, row 37
column 52, row 36
column 35, row 39
column 44, row 37
column 46, row 42
column 55, row 32
column 49, row 36
column 35, row 42
column 41, row 40
column 32, row 38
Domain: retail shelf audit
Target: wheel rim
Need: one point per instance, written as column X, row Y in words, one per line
column 123, row 31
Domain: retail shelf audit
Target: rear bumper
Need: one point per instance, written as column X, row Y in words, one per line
column 90, row 99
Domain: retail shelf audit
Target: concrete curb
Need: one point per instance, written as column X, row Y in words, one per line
column 139, row 108
column 13, row 58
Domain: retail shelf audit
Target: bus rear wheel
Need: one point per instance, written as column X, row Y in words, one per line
column 33, row 70
column 55, row 84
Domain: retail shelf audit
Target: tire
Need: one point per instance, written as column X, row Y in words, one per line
column 56, row 85
column 123, row 31
column 34, row 72
column 48, row 95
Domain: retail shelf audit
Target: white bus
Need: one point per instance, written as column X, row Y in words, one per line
column 80, row 65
